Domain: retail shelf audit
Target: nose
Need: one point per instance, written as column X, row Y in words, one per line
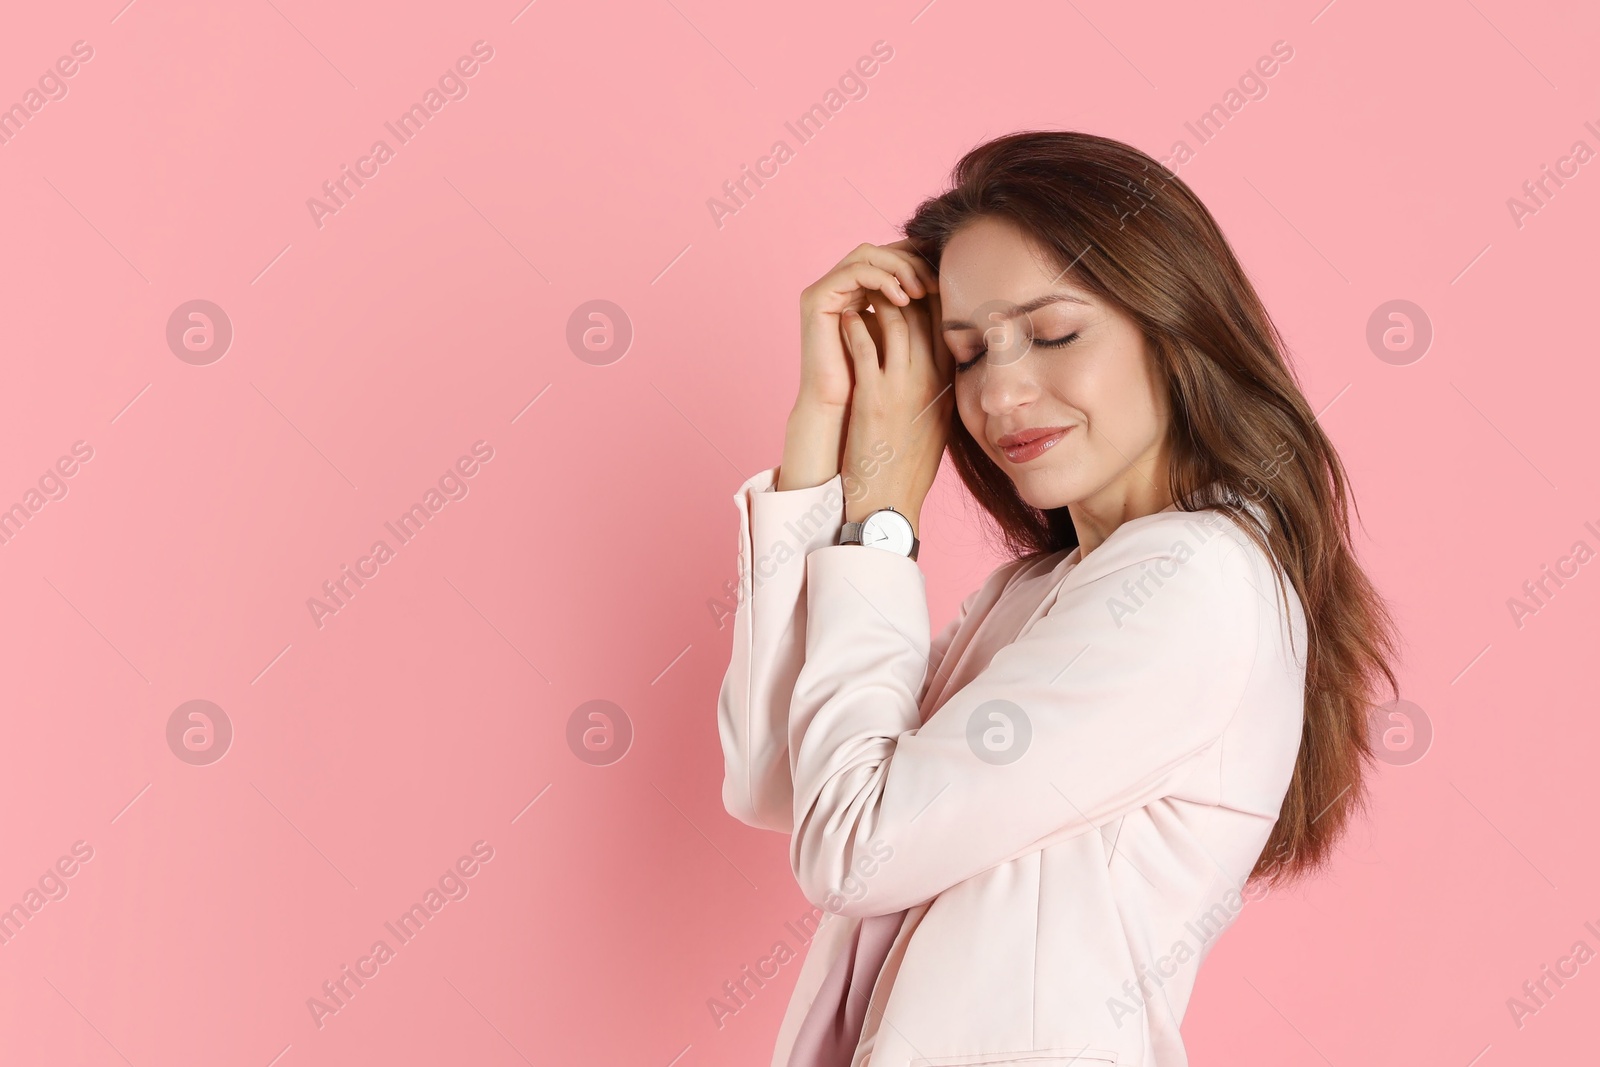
column 1008, row 386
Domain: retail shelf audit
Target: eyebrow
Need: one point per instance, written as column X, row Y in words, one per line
column 1033, row 305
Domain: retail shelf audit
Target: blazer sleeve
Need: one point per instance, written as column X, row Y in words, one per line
column 1092, row 712
column 777, row 531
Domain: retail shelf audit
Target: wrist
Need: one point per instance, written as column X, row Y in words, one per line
column 809, row 411
column 812, row 446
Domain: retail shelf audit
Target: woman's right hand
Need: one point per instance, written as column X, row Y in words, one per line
column 814, row 442
column 894, row 272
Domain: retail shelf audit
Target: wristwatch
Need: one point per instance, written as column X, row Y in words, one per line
column 885, row 528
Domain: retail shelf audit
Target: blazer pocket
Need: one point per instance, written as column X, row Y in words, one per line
column 1085, row 1057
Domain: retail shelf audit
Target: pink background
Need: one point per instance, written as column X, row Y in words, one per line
column 586, row 560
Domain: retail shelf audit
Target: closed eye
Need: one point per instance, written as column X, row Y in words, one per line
column 1059, row 342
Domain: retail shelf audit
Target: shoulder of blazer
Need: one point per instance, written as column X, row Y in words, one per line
column 1173, row 535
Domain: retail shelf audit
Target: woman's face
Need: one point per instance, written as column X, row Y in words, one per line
column 1102, row 386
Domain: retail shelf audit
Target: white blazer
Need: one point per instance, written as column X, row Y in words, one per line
column 1069, row 823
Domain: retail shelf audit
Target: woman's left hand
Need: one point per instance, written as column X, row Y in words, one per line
column 900, row 409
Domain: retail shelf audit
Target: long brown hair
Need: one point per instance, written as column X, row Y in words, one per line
column 1125, row 228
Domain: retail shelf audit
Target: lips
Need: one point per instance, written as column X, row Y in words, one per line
column 1022, row 437
column 1027, row 445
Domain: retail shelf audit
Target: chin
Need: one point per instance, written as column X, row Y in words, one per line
column 1047, row 490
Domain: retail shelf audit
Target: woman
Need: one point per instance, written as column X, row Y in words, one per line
column 1028, row 830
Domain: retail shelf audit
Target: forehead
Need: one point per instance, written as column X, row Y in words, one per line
column 991, row 261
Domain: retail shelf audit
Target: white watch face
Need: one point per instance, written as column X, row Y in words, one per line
column 888, row 530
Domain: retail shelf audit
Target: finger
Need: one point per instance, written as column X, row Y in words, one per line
column 906, row 265
column 942, row 358
column 919, row 334
column 896, row 331
column 895, row 261
column 863, row 353
column 874, row 323
column 923, row 370
column 857, row 284
column 921, row 263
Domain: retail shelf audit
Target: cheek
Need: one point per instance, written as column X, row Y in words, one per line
column 1110, row 377
column 1146, row 391
column 1081, row 385
column 1129, row 398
